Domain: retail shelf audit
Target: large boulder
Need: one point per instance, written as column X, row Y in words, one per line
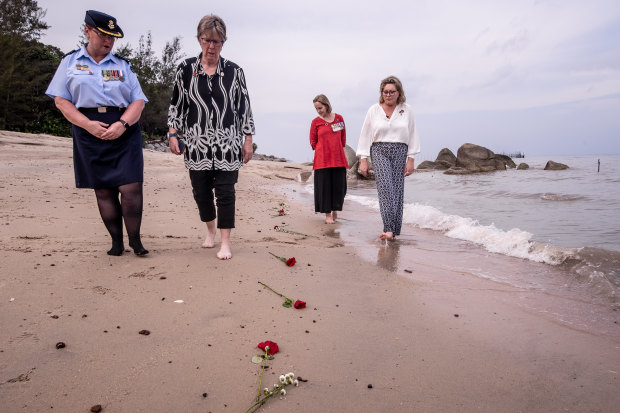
column 352, row 171
column 508, row 160
column 431, row 166
column 457, row 170
column 476, row 158
column 523, row 166
column 349, row 153
column 555, row 166
column 354, row 164
column 304, row 176
column 446, row 158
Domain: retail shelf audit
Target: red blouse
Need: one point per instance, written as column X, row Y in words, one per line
column 328, row 141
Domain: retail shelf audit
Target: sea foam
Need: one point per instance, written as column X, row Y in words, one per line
column 514, row 243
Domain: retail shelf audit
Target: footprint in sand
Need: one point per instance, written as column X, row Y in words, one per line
column 22, row 377
column 101, row 290
column 148, row 274
column 24, row 336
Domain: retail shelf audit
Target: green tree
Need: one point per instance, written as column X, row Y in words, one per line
column 144, row 62
column 27, row 67
column 42, row 115
column 170, row 57
column 82, row 40
column 22, row 18
column 156, row 77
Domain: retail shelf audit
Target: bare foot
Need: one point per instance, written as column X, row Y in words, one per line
column 210, row 239
column 335, row 215
column 224, row 252
column 329, row 219
column 387, row 236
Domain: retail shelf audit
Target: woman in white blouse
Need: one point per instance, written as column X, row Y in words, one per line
column 390, row 138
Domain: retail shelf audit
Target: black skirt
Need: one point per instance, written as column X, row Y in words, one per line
column 101, row 163
column 330, row 188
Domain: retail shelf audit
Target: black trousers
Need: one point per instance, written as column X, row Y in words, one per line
column 330, row 187
column 204, row 184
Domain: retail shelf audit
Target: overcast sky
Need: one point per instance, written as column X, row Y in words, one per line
column 537, row 76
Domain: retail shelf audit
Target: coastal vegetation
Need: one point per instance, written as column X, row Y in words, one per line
column 28, row 65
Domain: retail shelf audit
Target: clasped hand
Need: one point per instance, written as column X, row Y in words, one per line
column 105, row 131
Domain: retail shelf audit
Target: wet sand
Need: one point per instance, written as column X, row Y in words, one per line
column 550, row 291
column 373, row 338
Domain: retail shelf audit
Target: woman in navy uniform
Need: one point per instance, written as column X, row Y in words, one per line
column 99, row 94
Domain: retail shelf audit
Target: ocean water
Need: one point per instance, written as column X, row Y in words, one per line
column 557, row 231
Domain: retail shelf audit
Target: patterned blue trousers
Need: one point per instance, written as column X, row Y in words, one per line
column 389, row 160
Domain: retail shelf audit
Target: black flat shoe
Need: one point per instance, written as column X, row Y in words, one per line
column 137, row 246
column 116, row 250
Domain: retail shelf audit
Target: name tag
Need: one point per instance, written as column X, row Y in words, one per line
column 82, row 69
column 337, row 126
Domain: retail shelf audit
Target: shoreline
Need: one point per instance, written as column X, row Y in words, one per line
column 363, row 325
column 550, row 291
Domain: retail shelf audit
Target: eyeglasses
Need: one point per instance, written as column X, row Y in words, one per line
column 389, row 92
column 102, row 36
column 215, row 43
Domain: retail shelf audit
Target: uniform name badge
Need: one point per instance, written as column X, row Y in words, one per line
column 83, row 68
column 337, row 126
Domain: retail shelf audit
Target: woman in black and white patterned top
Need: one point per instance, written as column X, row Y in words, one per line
column 210, row 109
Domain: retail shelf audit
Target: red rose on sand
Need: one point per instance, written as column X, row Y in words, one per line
column 299, row 304
column 276, row 227
column 281, row 211
column 273, row 347
column 290, row 261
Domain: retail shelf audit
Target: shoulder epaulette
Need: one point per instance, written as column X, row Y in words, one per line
column 122, row 58
column 70, row 53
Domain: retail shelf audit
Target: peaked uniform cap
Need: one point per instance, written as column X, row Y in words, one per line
column 105, row 23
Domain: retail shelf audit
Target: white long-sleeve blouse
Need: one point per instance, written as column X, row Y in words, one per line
column 400, row 128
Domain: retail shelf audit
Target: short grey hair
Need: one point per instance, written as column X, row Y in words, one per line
column 212, row 22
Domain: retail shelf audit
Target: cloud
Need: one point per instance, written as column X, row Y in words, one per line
column 515, row 44
column 482, row 56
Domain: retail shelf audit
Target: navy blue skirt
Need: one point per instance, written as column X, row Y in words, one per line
column 101, row 163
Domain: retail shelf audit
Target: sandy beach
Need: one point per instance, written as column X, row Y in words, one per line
column 373, row 338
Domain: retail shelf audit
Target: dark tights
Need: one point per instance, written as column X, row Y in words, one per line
column 128, row 208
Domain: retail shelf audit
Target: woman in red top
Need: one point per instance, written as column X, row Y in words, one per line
column 328, row 137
